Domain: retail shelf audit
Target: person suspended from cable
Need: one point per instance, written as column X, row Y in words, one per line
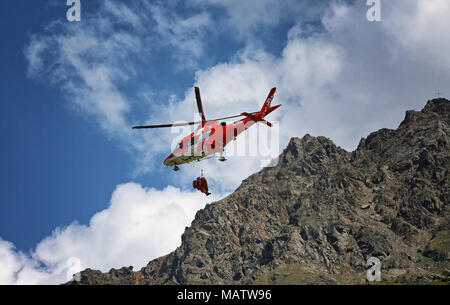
column 201, row 184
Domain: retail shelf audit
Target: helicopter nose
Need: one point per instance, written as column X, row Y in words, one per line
column 168, row 158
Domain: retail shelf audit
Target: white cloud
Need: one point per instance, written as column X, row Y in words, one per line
column 251, row 19
column 124, row 14
column 185, row 35
column 420, row 26
column 33, row 53
column 19, row 268
column 140, row 224
column 10, row 262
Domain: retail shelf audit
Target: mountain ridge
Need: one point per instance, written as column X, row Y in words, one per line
column 321, row 212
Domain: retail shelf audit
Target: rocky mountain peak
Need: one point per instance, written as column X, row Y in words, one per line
column 321, row 212
column 439, row 106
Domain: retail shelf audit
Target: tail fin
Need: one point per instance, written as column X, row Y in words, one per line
column 265, row 110
column 268, row 101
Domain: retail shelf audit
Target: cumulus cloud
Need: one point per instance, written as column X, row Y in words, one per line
column 419, row 27
column 140, row 224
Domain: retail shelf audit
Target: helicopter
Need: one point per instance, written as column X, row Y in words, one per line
column 211, row 136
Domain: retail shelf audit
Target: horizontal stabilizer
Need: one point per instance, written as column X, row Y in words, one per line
column 256, row 118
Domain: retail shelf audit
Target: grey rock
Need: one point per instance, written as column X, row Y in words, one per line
column 307, row 220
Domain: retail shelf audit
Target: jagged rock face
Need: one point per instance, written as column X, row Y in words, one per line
column 319, row 214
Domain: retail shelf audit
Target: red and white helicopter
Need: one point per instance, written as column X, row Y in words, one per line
column 211, row 136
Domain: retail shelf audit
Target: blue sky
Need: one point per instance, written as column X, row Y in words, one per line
column 77, row 182
column 58, row 165
column 53, row 161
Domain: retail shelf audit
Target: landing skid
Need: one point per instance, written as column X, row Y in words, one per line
column 222, row 159
column 176, row 168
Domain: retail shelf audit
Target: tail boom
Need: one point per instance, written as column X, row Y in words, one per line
column 265, row 110
column 257, row 118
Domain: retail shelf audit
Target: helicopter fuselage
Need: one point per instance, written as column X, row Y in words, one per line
column 209, row 138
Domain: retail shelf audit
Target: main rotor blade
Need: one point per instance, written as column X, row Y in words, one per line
column 233, row 116
column 199, row 103
column 167, row 125
column 188, row 123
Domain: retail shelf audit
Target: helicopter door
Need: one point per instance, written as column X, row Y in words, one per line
column 205, row 137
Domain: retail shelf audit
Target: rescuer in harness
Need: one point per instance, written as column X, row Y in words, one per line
column 201, row 184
